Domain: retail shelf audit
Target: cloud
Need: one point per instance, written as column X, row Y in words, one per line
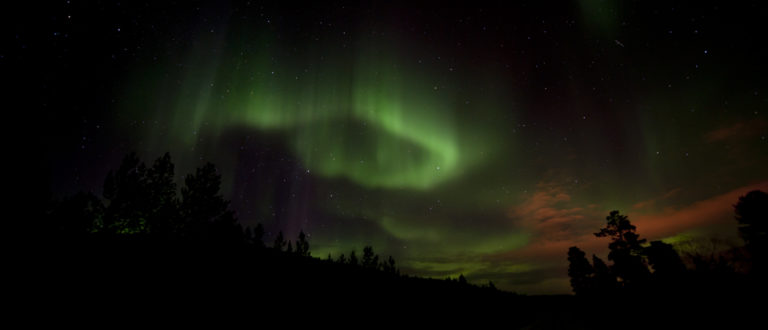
column 546, row 195
column 651, row 202
column 651, row 225
column 555, row 222
column 558, row 226
column 736, row 131
column 711, row 211
column 549, row 215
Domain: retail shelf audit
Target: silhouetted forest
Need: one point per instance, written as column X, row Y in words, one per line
column 725, row 285
column 656, row 268
column 146, row 239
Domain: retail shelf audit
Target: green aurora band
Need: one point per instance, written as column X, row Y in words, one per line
column 377, row 122
column 373, row 116
column 427, row 158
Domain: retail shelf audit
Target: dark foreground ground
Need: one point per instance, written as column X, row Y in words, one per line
column 130, row 280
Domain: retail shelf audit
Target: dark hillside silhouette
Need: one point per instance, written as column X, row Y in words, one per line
column 145, row 240
column 149, row 238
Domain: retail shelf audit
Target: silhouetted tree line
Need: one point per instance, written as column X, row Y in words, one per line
column 146, row 233
column 144, row 237
column 142, row 201
column 638, row 268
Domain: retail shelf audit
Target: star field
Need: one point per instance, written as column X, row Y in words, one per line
column 481, row 141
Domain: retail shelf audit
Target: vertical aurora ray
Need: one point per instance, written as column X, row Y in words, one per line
column 371, row 116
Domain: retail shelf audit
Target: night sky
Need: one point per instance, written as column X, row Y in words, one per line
column 481, row 141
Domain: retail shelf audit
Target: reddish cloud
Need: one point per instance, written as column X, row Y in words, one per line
column 653, row 201
column 547, row 213
column 736, row 131
column 655, row 225
column 555, row 223
column 715, row 210
column 558, row 227
column 546, row 195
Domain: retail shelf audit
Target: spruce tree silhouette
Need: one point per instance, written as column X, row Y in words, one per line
column 580, row 272
column 369, row 259
column 389, row 265
column 302, row 245
column 279, row 242
column 352, row 258
column 603, row 282
column 257, row 237
column 248, row 235
column 752, row 216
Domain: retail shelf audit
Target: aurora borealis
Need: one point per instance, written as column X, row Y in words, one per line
column 470, row 140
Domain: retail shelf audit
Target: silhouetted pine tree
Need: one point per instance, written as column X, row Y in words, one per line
column 625, row 251
column 204, row 211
